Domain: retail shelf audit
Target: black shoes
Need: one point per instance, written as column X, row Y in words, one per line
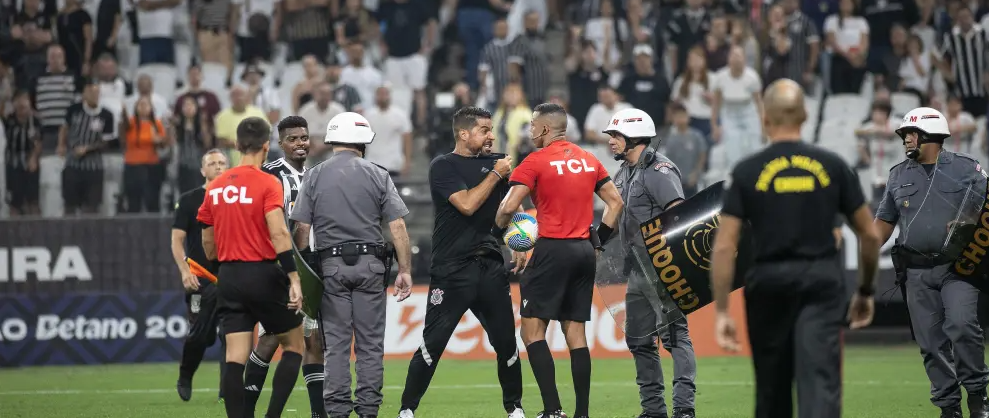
column 683, row 413
column 978, row 404
column 951, row 412
column 553, row 414
column 184, row 388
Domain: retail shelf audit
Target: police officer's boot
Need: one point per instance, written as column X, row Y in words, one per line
column 683, row 413
column 645, row 415
column 978, row 404
column 951, row 412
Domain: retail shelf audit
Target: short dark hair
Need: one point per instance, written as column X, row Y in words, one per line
column 252, row 134
column 466, row 118
column 291, row 122
column 549, row 109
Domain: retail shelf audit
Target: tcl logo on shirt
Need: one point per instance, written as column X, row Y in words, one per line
column 231, row 194
column 574, row 166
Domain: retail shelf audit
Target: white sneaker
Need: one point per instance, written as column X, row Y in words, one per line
column 406, row 413
column 517, row 413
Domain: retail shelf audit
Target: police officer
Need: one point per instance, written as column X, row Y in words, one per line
column 650, row 183
column 922, row 196
column 795, row 298
column 343, row 201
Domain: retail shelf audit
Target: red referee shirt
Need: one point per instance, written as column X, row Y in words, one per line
column 235, row 205
column 563, row 179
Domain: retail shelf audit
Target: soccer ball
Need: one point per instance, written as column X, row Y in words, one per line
column 522, row 232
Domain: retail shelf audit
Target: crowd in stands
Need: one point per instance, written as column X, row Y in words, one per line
column 109, row 104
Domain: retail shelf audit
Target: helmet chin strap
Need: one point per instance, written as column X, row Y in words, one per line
column 922, row 139
column 630, row 144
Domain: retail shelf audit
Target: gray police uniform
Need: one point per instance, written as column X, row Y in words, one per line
column 647, row 188
column 942, row 307
column 345, row 199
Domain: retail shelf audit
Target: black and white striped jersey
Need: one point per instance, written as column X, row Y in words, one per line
column 291, row 180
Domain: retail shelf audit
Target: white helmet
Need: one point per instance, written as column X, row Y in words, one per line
column 632, row 124
column 348, row 128
column 926, row 120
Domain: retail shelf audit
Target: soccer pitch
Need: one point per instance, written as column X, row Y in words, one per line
column 879, row 382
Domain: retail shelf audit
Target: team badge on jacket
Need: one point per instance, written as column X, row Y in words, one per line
column 437, row 297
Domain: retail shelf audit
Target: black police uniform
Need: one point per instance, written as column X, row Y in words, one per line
column 795, row 297
column 467, row 271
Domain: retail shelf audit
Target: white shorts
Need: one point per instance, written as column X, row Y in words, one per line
column 308, row 325
column 410, row 71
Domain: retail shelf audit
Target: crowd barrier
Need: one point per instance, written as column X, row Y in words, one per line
column 98, row 291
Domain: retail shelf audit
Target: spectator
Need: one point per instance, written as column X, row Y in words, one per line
column 686, row 147
column 693, row 89
column 29, row 53
column 33, row 14
column 644, row 87
column 509, row 121
column 75, row 35
column 6, row 89
column 609, row 33
column 776, row 47
column 717, row 43
column 882, row 16
column 113, row 88
column 965, row 70
column 500, row 59
column 86, row 130
column 53, row 93
column 146, row 88
column 584, row 77
column 192, row 134
column 805, row 45
column 364, row 78
column 573, row 128
column 302, row 93
column 107, row 23
column 888, row 75
column 600, row 114
column 156, row 31
column 345, row 94
column 306, row 25
column 225, row 124
column 318, row 113
column 736, row 103
column 962, row 126
column 915, row 69
column 879, row 146
column 741, row 35
column 260, row 96
column 206, row 101
column 521, row 10
column 475, row 24
column 23, row 153
column 687, row 27
column 535, row 59
column 393, row 131
column 925, row 27
column 355, row 23
column 407, row 64
column 848, row 39
column 214, row 23
column 260, row 23
column 146, row 142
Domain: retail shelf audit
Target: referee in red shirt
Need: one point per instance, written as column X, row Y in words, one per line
column 559, row 282
column 243, row 208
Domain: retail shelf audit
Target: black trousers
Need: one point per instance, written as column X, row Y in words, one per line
column 142, row 187
column 796, row 313
column 481, row 286
column 844, row 77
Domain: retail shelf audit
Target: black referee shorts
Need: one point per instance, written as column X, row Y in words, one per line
column 252, row 292
column 558, row 282
column 82, row 188
column 201, row 309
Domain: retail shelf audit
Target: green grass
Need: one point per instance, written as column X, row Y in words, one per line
column 879, row 382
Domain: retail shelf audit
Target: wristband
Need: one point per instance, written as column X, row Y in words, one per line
column 287, row 261
column 500, row 177
column 498, row 231
column 604, row 232
column 867, row 291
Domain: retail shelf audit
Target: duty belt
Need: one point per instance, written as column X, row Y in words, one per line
column 918, row 260
column 345, row 250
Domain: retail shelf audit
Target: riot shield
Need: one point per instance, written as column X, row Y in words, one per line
column 968, row 236
column 311, row 283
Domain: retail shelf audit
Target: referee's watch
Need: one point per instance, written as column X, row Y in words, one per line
column 867, row 291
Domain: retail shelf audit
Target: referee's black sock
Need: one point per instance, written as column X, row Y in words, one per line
column 313, row 375
column 282, row 384
column 233, row 385
column 580, row 367
column 192, row 356
column 254, row 376
column 541, row 361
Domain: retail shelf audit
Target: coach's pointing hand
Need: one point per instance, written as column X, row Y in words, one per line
column 503, row 167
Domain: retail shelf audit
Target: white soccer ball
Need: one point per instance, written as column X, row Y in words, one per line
column 522, row 232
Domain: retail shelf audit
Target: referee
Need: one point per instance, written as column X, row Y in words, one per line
column 468, row 269
column 559, row 282
column 200, row 292
column 243, row 208
column 795, row 296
